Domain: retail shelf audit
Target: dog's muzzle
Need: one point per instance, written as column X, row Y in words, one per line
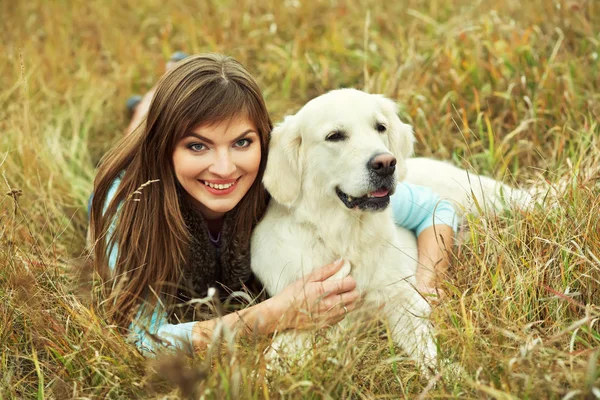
column 376, row 199
column 381, row 169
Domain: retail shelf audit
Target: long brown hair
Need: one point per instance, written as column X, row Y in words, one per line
column 144, row 218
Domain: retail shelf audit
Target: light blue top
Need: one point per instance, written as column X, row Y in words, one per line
column 417, row 207
column 414, row 207
column 172, row 335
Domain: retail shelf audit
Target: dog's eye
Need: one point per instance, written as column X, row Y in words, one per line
column 380, row 127
column 336, row 136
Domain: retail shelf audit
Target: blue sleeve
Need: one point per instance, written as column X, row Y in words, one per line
column 176, row 336
column 172, row 336
column 417, row 208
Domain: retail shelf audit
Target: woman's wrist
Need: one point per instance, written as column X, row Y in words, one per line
column 202, row 334
column 271, row 314
column 433, row 259
column 262, row 318
column 426, row 276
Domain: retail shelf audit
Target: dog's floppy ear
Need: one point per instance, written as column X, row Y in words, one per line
column 284, row 166
column 401, row 135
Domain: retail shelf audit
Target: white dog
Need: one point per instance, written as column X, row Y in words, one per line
column 331, row 170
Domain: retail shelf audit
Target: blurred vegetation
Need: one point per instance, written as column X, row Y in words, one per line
column 508, row 88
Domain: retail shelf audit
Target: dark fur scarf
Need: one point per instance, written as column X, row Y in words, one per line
column 225, row 267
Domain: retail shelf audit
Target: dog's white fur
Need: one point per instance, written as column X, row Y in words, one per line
column 307, row 225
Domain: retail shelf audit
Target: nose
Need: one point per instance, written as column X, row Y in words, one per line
column 383, row 164
column 222, row 165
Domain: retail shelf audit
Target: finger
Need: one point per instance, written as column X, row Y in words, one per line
column 432, row 291
column 433, row 295
column 441, row 295
column 324, row 272
column 339, row 286
column 324, row 306
column 339, row 300
column 328, row 316
column 339, row 313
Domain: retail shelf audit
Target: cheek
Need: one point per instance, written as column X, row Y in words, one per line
column 185, row 165
column 251, row 160
column 322, row 163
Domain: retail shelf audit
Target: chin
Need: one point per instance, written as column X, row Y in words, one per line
column 224, row 207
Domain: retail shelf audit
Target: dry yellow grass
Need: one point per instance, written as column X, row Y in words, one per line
column 508, row 87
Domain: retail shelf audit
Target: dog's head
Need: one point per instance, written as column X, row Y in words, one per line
column 346, row 144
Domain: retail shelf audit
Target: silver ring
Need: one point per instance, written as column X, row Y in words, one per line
column 345, row 309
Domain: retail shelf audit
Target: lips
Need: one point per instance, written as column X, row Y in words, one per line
column 220, row 187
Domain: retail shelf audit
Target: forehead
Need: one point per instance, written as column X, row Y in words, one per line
column 342, row 108
column 234, row 125
column 222, row 132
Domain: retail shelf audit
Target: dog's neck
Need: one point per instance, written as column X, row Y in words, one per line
column 344, row 227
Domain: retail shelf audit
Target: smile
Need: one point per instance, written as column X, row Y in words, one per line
column 220, row 188
column 376, row 200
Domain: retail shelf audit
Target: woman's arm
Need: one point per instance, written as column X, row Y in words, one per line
column 324, row 299
column 434, row 222
column 433, row 243
column 305, row 303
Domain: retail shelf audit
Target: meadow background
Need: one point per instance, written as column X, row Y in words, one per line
column 508, row 88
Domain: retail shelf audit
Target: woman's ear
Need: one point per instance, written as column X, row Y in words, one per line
column 401, row 135
column 283, row 173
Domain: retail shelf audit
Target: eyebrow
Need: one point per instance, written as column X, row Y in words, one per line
column 207, row 140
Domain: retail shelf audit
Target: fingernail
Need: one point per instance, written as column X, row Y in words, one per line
column 338, row 261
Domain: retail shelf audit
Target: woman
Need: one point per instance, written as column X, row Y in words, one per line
column 175, row 203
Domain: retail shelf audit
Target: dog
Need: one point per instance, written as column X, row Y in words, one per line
column 331, row 170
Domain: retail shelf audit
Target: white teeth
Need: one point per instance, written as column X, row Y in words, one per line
column 219, row 186
column 350, row 198
column 369, row 195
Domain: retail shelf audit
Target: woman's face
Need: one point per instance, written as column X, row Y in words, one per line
column 217, row 164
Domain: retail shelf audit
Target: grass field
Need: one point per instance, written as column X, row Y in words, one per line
column 510, row 88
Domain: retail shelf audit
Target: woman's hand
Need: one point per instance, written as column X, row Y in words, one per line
column 314, row 299
column 431, row 293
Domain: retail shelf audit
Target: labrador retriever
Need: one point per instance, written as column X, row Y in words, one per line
column 331, row 170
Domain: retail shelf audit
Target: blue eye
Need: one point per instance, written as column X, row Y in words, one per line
column 243, row 143
column 196, row 147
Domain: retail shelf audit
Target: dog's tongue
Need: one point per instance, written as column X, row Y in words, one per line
column 380, row 193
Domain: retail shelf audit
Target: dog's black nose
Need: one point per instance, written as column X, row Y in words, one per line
column 382, row 164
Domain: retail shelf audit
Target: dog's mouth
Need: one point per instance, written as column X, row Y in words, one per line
column 376, row 200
